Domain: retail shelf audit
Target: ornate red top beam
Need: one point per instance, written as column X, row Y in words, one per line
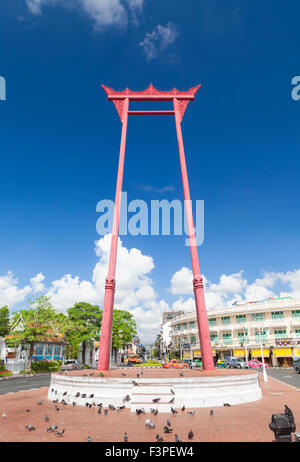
column 150, row 94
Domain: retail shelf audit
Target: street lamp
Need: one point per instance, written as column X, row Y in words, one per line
column 262, row 356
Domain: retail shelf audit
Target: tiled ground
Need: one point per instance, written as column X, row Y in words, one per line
column 245, row 422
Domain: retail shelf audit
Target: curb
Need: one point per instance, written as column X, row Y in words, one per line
column 17, row 376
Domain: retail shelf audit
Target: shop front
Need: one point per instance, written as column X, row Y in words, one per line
column 283, row 357
column 241, row 353
column 256, row 354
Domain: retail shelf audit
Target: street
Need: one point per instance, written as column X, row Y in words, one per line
column 285, row 375
column 14, row 384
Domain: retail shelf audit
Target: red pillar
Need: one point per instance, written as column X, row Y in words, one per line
column 203, row 329
column 106, row 329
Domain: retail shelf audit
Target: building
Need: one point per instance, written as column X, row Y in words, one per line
column 241, row 329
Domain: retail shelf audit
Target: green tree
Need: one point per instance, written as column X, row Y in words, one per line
column 4, row 321
column 123, row 328
column 86, row 319
column 34, row 324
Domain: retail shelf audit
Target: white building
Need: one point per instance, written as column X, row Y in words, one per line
column 233, row 329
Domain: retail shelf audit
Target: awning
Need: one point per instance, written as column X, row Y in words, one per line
column 239, row 353
column 257, row 353
column 282, row 352
column 296, row 351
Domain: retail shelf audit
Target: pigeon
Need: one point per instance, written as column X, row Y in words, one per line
column 168, row 422
column 183, row 408
column 46, row 418
column 172, row 391
column 55, row 401
column 190, row 435
column 159, row 438
column 155, row 400
column 4, row 415
column 99, row 404
column 105, row 411
column 172, row 400
column 211, row 412
column 125, row 437
column 149, row 424
column 110, row 406
column 55, row 392
column 74, row 404
column 77, row 395
column 52, row 428
column 123, row 374
column 86, row 404
column 226, row 404
column 167, row 429
column 27, row 410
column 91, row 396
column 181, row 374
column 192, row 412
column 90, row 405
column 93, row 373
column 52, row 390
column 135, row 383
column 126, row 398
column 30, row 428
column 99, row 410
column 177, row 439
column 138, row 411
column 142, row 371
column 174, row 411
column 119, row 408
column 155, row 411
column 40, row 402
column 137, row 375
column 64, row 394
column 83, row 395
column 61, row 432
column 89, row 439
column 56, row 408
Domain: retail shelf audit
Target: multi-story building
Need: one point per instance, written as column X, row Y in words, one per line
column 270, row 326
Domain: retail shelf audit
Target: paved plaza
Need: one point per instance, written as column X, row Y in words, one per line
column 238, row 423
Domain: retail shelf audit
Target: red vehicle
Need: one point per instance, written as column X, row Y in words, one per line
column 253, row 363
column 175, row 364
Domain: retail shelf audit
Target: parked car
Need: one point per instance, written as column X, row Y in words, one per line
column 198, row 362
column 221, row 363
column 237, row 364
column 175, row 364
column 71, row 364
column 191, row 363
column 296, row 365
column 254, row 364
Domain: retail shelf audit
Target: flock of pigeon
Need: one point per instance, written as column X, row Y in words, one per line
column 148, row 423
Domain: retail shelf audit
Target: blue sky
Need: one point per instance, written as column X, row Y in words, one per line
column 60, row 141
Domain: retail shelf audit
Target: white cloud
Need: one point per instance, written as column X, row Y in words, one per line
column 103, row 13
column 159, row 39
column 37, row 283
column 10, row 293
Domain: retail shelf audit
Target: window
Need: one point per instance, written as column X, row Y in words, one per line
column 57, row 350
column 48, row 349
column 212, row 322
column 184, row 325
column 226, row 320
column 193, row 340
column 242, row 336
column 277, row 315
column 240, row 318
column 297, row 332
column 227, row 338
column 280, row 333
column 258, row 317
column 178, row 327
column 262, row 335
column 192, row 325
column 214, row 338
column 39, row 349
column 296, row 314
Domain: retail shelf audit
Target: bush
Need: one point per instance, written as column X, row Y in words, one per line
column 148, row 363
column 5, row 373
column 45, row 366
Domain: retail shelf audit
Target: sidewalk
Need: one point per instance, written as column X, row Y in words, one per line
column 16, row 376
column 240, row 423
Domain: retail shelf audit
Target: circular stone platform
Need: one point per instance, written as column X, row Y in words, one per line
column 195, row 389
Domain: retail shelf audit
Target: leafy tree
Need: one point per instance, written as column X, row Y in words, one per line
column 4, row 321
column 123, row 328
column 33, row 325
column 86, row 319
